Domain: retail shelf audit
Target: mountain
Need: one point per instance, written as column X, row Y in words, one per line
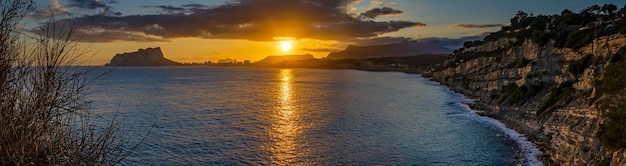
column 276, row 59
column 142, row 57
column 400, row 49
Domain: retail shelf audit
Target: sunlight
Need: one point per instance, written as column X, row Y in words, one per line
column 286, row 45
column 285, row 126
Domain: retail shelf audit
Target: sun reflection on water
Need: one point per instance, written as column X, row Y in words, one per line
column 285, row 127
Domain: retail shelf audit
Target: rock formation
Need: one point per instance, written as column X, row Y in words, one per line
column 142, row 57
column 533, row 89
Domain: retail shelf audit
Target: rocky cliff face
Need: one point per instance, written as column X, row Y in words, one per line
column 540, row 91
column 142, row 57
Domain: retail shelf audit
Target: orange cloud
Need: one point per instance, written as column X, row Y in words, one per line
column 248, row 19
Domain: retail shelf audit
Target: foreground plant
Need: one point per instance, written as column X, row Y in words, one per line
column 44, row 117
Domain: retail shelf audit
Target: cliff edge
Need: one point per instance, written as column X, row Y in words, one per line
column 142, row 57
column 544, row 92
column 560, row 86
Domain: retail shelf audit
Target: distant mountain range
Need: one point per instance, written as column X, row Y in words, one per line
column 405, row 48
column 275, row 59
column 400, row 49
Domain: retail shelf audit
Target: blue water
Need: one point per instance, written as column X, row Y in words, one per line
column 257, row 116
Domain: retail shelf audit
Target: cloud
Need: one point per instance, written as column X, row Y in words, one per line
column 259, row 20
column 168, row 8
column 100, row 6
column 91, row 35
column 54, row 9
column 476, row 25
column 377, row 12
column 88, row 4
column 187, row 9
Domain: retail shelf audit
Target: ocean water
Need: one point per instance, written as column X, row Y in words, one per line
column 259, row 116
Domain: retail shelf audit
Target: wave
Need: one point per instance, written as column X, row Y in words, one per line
column 527, row 149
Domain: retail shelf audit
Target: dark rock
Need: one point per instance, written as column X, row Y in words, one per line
column 142, row 57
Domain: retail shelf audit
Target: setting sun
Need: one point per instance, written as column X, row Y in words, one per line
column 286, row 45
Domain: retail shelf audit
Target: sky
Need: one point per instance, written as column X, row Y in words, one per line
column 208, row 30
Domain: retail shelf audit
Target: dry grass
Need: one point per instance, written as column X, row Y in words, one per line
column 44, row 117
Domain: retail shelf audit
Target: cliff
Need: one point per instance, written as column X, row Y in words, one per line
column 547, row 93
column 401, row 49
column 142, row 57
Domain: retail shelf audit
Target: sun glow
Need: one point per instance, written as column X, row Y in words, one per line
column 286, row 45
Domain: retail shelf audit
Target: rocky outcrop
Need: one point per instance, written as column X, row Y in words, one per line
column 142, row 57
column 564, row 127
column 401, row 49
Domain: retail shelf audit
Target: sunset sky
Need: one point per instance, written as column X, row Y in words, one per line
column 201, row 30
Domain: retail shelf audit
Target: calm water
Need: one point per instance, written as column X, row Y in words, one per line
column 251, row 116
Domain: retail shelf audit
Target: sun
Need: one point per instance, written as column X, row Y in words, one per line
column 286, row 45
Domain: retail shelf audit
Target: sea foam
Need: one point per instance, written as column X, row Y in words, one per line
column 527, row 149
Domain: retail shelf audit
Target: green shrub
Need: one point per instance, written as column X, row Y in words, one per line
column 612, row 130
column 578, row 39
column 560, row 39
column 517, row 95
column 613, row 85
column 619, row 55
column 578, row 67
column 540, row 37
column 558, row 96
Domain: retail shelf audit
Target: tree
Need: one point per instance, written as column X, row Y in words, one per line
column 44, row 117
column 516, row 22
column 539, row 23
column 610, row 9
column 596, row 9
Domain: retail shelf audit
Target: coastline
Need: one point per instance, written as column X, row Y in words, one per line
column 529, row 152
column 484, row 110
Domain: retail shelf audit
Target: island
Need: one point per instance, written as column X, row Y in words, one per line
column 142, row 57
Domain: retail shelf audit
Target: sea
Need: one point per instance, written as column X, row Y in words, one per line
column 207, row 115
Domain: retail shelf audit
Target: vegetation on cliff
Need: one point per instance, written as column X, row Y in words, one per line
column 567, row 30
column 613, row 86
column 537, row 75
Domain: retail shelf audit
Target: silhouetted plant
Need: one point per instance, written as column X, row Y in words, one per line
column 44, row 117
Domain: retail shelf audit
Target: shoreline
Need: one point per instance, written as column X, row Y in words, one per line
column 527, row 146
column 485, row 110
column 528, row 152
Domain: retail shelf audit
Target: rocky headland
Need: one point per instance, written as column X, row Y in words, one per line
column 142, row 57
column 560, row 80
column 550, row 94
